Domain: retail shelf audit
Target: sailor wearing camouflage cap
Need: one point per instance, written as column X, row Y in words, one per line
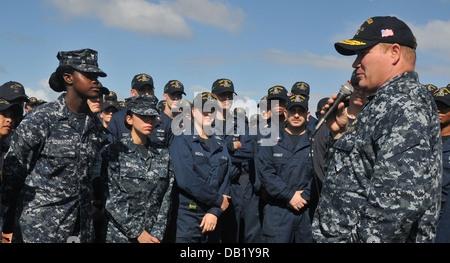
column 142, row 113
column 140, row 179
column 55, row 148
column 84, row 60
column 144, row 105
column 141, row 84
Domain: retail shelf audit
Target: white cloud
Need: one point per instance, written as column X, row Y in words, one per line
column 166, row 19
column 434, row 37
column 43, row 93
column 135, row 15
column 211, row 13
column 308, row 59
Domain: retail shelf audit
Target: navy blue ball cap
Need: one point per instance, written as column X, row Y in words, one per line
column 443, row 95
column 16, row 108
column 297, row 100
column 141, row 80
column 322, row 102
column 110, row 104
column 380, row 29
column 431, row 88
column 300, row 88
column 205, row 101
column 277, row 92
column 222, row 85
column 13, row 90
column 174, row 86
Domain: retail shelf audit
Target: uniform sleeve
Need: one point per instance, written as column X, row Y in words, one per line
column 21, row 157
column 185, row 176
column 100, row 179
column 404, row 178
column 19, row 161
column 245, row 152
column 224, row 190
column 269, row 178
column 162, row 219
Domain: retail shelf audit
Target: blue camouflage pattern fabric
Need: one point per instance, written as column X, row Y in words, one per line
column 384, row 174
column 139, row 190
column 84, row 60
column 47, row 174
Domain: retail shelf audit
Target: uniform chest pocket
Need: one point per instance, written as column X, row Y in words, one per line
column 223, row 163
column 60, row 153
column 345, row 145
column 280, row 160
column 200, row 160
column 343, row 148
column 133, row 183
column 220, row 169
column 280, row 155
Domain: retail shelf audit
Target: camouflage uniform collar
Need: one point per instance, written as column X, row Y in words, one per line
column 127, row 140
column 62, row 103
column 62, row 109
column 412, row 75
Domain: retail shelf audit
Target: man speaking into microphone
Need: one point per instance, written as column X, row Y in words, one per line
column 383, row 171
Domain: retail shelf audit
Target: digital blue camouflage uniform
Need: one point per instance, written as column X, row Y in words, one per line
column 140, row 180
column 384, row 174
column 139, row 190
column 47, row 174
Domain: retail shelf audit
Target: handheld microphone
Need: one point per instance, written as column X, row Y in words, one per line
column 345, row 91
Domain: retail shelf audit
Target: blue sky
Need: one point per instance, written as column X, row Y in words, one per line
column 255, row 43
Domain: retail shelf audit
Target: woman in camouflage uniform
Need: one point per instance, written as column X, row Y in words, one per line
column 47, row 187
column 139, row 179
